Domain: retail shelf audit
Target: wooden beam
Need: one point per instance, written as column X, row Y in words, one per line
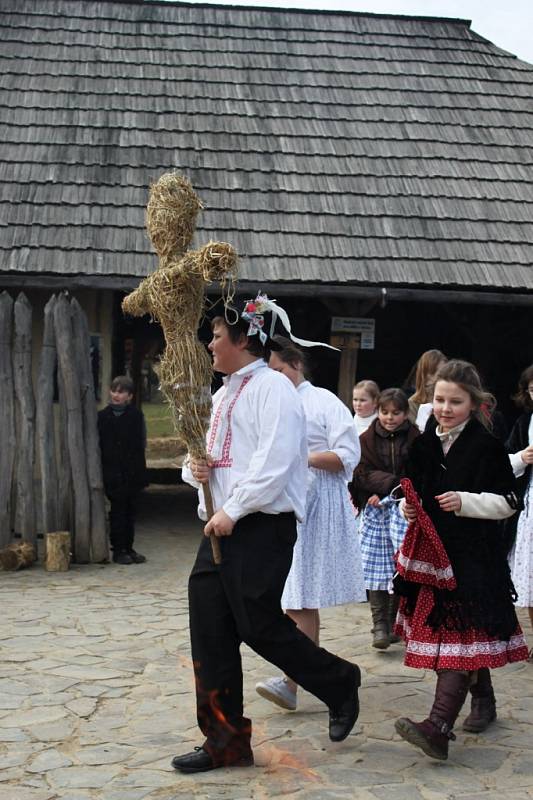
column 25, row 404
column 7, row 417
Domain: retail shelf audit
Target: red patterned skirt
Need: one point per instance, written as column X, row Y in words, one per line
column 444, row 649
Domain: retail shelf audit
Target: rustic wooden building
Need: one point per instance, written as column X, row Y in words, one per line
column 362, row 165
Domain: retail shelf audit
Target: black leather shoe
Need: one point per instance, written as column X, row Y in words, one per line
column 343, row 718
column 200, row 761
column 122, row 558
column 136, row 557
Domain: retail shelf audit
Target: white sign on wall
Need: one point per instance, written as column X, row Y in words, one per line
column 366, row 327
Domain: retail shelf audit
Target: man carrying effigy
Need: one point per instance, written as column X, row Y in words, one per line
column 257, row 470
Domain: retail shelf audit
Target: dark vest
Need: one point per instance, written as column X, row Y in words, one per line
column 122, row 448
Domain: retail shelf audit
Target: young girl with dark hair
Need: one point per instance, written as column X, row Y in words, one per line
column 463, row 478
column 384, row 449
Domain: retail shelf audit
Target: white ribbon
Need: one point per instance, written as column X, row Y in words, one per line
column 278, row 312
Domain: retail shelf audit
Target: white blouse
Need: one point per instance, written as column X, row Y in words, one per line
column 516, row 461
column 330, row 426
column 257, row 438
column 363, row 423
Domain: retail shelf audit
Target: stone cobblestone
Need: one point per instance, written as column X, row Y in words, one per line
column 96, row 696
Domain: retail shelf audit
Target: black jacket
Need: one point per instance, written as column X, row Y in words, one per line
column 518, row 440
column 476, row 462
column 122, row 442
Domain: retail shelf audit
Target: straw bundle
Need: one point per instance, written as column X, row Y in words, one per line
column 175, row 296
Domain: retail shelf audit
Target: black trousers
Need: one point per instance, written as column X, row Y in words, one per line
column 239, row 601
column 122, row 518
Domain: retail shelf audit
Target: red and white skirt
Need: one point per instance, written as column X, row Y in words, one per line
column 444, row 649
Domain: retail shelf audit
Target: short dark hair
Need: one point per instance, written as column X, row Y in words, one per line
column 238, row 329
column 395, row 397
column 122, row 384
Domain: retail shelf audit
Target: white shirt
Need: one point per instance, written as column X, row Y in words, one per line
column 363, row 423
column 515, row 458
column 330, row 426
column 257, row 438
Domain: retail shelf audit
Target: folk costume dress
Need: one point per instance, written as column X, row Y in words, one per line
column 473, row 625
column 327, row 568
column 521, row 557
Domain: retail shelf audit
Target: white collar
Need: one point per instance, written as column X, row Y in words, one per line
column 453, row 433
column 251, row 367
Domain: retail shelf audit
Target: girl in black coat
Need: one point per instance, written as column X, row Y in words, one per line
column 464, row 480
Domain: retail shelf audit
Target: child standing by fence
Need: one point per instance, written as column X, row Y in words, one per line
column 464, row 480
column 384, row 449
column 122, row 432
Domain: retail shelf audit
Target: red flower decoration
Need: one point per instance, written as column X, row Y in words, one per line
column 251, row 307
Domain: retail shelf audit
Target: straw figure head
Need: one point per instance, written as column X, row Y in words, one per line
column 171, row 216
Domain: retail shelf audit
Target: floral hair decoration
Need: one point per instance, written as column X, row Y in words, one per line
column 254, row 313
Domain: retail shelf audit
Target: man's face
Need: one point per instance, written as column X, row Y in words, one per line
column 226, row 355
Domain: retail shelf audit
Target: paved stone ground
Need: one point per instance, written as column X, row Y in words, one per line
column 96, row 696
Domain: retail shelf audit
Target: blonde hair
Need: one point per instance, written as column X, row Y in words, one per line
column 427, row 365
column 370, row 387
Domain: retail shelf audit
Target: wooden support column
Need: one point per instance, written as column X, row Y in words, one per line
column 25, row 500
column 46, row 445
column 7, row 417
column 349, row 345
column 99, row 545
column 66, row 354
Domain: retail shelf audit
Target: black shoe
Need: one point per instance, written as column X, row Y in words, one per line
column 200, row 761
column 122, row 558
column 137, row 558
column 343, row 718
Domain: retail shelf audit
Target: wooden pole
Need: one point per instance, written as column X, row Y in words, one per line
column 66, row 354
column 25, row 501
column 64, row 495
column 7, row 417
column 46, row 445
column 349, row 344
column 99, row 543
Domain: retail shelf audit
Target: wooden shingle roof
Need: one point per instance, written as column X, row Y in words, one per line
column 326, row 146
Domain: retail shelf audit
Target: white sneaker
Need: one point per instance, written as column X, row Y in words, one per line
column 277, row 691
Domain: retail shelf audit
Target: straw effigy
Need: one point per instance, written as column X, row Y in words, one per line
column 174, row 295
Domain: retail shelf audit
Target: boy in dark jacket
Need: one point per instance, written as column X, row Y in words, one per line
column 122, row 431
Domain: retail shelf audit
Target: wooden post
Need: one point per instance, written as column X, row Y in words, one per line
column 7, row 417
column 46, row 445
column 66, row 355
column 349, row 344
column 57, row 551
column 25, row 501
column 99, row 544
column 64, row 494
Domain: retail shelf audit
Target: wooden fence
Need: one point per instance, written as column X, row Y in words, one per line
column 50, row 469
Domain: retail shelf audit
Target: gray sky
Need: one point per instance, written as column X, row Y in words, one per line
column 506, row 23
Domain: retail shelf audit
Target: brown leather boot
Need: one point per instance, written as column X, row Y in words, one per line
column 434, row 733
column 379, row 606
column 394, row 602
column 483, row 705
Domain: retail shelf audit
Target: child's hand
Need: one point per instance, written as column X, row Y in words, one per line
column 409, row 512
column 373, row 501
column 200, row 469
column 449, row 501
column 527, row 455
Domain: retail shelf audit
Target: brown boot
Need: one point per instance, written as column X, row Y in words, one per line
column 394, row 602
column 434, row 733
column 379, row 606
column 483, row 706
